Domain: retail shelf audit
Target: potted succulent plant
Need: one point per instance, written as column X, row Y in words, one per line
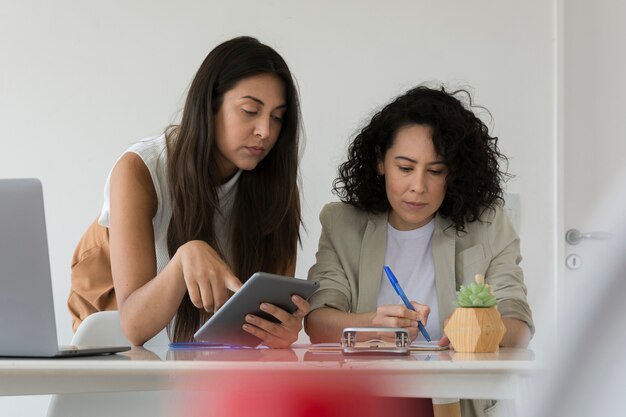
column 476, row 325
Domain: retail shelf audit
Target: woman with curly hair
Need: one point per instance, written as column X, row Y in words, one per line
column 421, row 191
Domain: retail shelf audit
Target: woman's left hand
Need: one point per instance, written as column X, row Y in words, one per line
column 282, row 334
column 444, row 341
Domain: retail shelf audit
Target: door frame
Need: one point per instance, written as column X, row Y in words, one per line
column 560, row 132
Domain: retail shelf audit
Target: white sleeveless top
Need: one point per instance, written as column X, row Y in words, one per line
column 409, row 255
column 153, row 152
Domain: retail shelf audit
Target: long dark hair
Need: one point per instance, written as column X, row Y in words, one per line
column 265, row 219
column 474, row 180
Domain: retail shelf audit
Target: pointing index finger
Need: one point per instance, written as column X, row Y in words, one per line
column 232, row 283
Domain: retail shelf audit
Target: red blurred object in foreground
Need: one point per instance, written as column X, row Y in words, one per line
column 301, row 395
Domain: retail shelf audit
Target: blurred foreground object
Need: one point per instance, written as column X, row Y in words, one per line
column 283, row 395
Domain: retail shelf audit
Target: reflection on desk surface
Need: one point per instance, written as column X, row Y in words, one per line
column 300, row 353
column 441, row 356
column 139, row 353
column 316, row 356
column 508, row 354
column 233, row 355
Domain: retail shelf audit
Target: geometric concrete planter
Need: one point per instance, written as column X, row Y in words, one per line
column 476, row 330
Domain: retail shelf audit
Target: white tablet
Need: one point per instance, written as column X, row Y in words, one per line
column 225, row 325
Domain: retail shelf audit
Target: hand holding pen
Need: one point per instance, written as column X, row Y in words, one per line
column 396, row 286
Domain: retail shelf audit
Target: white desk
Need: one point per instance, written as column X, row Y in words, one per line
column 503, row 375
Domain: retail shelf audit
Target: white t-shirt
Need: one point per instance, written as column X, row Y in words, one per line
column 409, row 255
column 153, row 152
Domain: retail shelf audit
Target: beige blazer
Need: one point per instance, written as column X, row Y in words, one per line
column 352, row 250
column 351, row 253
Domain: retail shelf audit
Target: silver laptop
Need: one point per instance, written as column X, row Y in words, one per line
column 27, row 323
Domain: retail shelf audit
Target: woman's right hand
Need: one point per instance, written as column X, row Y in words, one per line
column 397, row 315
column 206, row 275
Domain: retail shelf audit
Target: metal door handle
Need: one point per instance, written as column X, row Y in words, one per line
column 574, row 236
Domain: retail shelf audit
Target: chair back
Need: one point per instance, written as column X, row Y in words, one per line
column 103, row 328
column 98, row 329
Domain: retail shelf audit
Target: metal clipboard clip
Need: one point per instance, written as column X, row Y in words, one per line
column 375, row 341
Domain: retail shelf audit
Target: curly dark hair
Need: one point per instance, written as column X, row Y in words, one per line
column 474, row 180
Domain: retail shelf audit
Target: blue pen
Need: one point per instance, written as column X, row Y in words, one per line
column 396, row 286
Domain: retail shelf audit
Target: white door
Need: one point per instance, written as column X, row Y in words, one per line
column 592, row 120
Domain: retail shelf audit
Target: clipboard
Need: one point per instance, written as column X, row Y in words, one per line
column 375, row 341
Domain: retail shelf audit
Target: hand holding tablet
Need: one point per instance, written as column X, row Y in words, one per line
column 225, row 326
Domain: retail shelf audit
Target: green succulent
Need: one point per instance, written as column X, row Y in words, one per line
column 475, row 295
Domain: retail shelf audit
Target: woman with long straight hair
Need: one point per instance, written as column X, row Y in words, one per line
column 192, row 213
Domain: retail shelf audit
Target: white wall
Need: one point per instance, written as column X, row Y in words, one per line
column 80, row 81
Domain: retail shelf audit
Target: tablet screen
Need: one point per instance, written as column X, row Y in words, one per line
column 225, row 325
